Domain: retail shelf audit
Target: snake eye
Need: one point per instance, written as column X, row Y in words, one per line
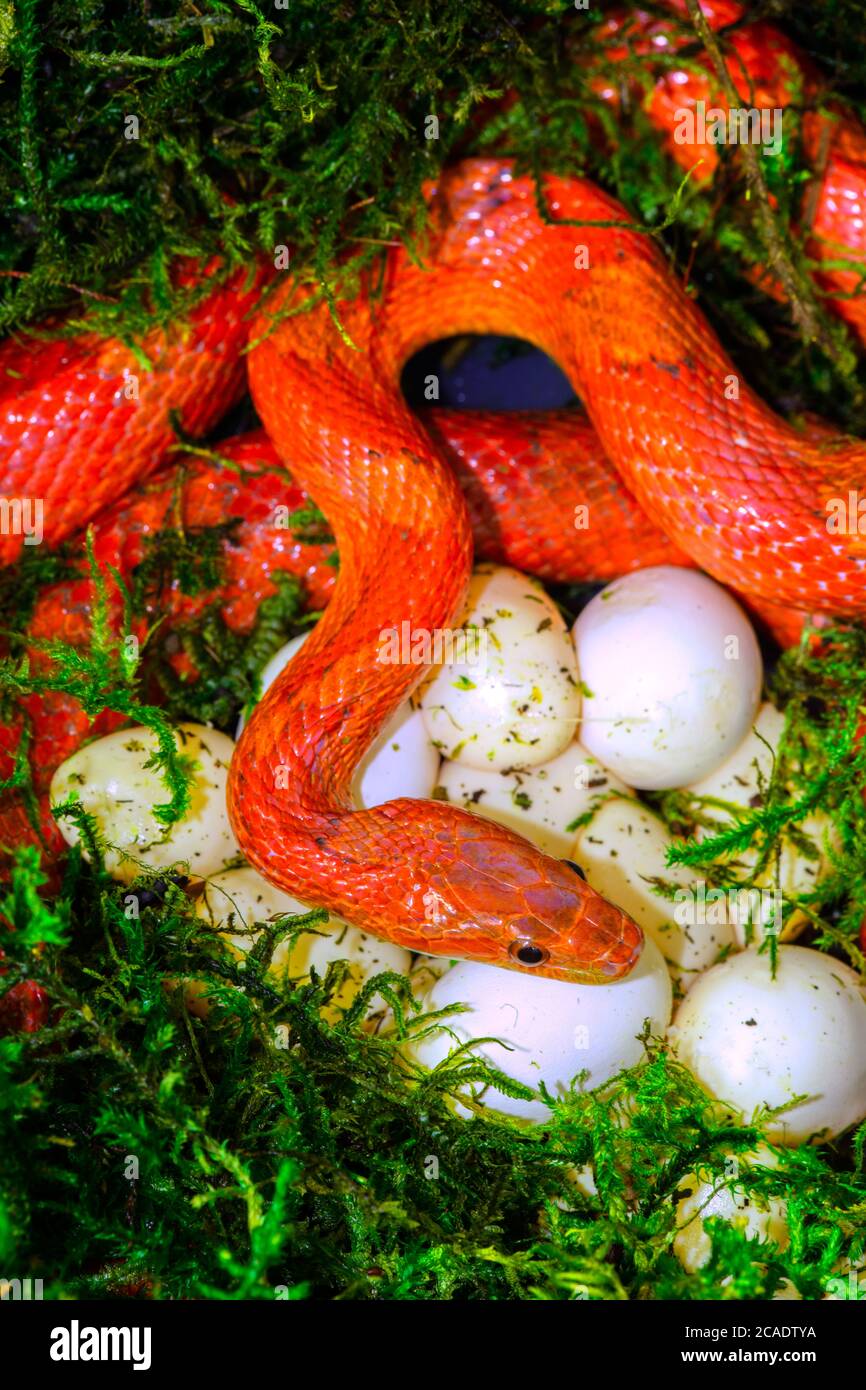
column 577, row 869
column 528, row 953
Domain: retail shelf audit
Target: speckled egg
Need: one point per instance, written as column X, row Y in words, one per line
column 510, row 696
column 110, row 779
column 623, row 852
column 759, row 1041
column 672, row 673
column 543, row 803
column 727, row 1196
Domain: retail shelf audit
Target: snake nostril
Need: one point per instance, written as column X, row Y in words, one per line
column 528, row 953
column 577, row 869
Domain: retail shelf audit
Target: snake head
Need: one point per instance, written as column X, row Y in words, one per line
column 501, row 901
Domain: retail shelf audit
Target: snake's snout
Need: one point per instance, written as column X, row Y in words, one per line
column 610, row 938
column 604, row 942
column 512, row 905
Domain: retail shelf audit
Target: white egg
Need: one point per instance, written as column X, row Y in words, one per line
column 756, row 1041
column 623, row 853
column 550, row 1030
column 401, row 762
column 111, row 781
column 232, row 902
column 741, row 782
column 278, row 662
column 701, row 1196
column 671, row 673
column 510, row 697
column 541, row 803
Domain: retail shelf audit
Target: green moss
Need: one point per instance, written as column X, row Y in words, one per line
column 264, row 1153
column 189, row 557
column 22, row 583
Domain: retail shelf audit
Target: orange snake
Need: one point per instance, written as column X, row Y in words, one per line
column 652, row 377
column 736, row 488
